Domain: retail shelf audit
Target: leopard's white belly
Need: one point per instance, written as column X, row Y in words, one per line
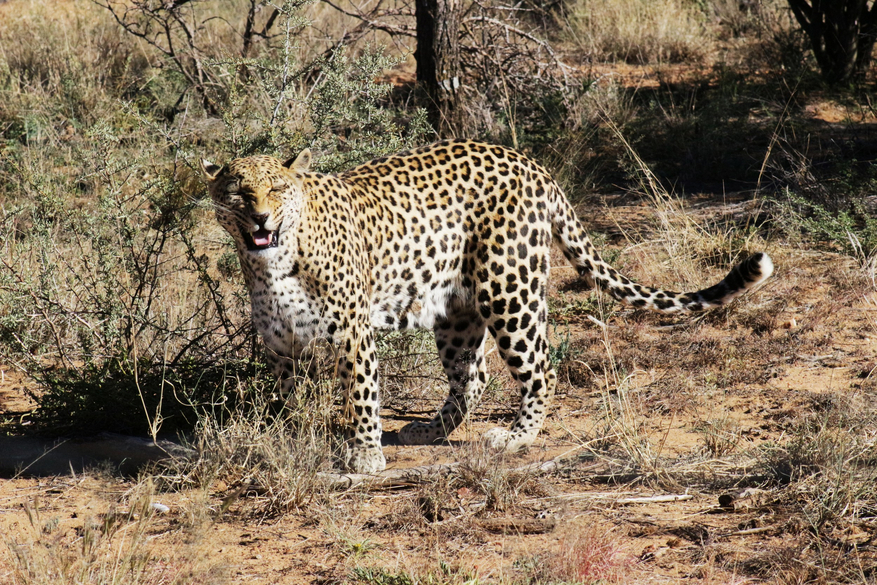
column 285, row 315
column 397, row 308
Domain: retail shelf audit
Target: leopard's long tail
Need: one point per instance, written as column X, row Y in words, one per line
column 579, row 250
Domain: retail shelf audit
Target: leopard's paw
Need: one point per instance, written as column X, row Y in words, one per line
column 504, row 440
column 366, row 460
column 418, row 433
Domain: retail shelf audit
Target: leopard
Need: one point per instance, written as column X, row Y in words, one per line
column 454, row 236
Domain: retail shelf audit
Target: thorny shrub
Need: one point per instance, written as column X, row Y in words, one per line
column 118, row 293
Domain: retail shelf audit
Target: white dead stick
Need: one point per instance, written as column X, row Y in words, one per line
column 596, row 321
column 759, row 530
column 655, row 499
column 612, row 498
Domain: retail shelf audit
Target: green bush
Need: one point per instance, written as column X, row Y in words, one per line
column 118, row 292
column 826, row 202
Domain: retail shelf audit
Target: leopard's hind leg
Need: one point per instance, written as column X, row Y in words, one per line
column 518, row 320
column 522, row 340
column 460, row 341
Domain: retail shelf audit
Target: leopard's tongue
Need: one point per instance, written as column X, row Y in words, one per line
column 262, row 238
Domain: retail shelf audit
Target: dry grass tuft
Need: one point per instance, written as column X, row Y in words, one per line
column 720, row 436
column 114, row 547
column 274, row 458
column 592, row 555
column 492, row 476
column 640, row 31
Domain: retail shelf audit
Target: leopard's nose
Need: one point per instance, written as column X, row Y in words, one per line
column 260, row 218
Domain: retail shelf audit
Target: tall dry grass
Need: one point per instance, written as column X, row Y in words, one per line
column 62, row 67
column 640, row 31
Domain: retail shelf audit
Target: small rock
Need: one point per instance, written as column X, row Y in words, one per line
column 160, row 508
column 790, row 324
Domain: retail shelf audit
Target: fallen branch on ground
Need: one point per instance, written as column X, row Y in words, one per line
column 413, row 476
column 517, row 525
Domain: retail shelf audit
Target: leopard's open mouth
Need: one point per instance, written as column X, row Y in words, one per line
column 261, row 239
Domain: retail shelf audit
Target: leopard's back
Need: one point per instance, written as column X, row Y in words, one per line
column 442, row 221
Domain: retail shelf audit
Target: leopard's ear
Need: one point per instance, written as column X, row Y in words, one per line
column 211, row 171
column 300, row 163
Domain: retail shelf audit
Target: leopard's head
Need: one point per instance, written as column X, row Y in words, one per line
column 251, row 198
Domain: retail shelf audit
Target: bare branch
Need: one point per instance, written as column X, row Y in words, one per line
column 372, row 21
column 524, row 34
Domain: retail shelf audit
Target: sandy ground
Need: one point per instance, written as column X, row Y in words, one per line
column 647, row 406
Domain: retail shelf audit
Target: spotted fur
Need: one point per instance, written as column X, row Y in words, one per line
column 454, row 236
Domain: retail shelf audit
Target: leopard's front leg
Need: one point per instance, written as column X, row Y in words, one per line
column 358, row 374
